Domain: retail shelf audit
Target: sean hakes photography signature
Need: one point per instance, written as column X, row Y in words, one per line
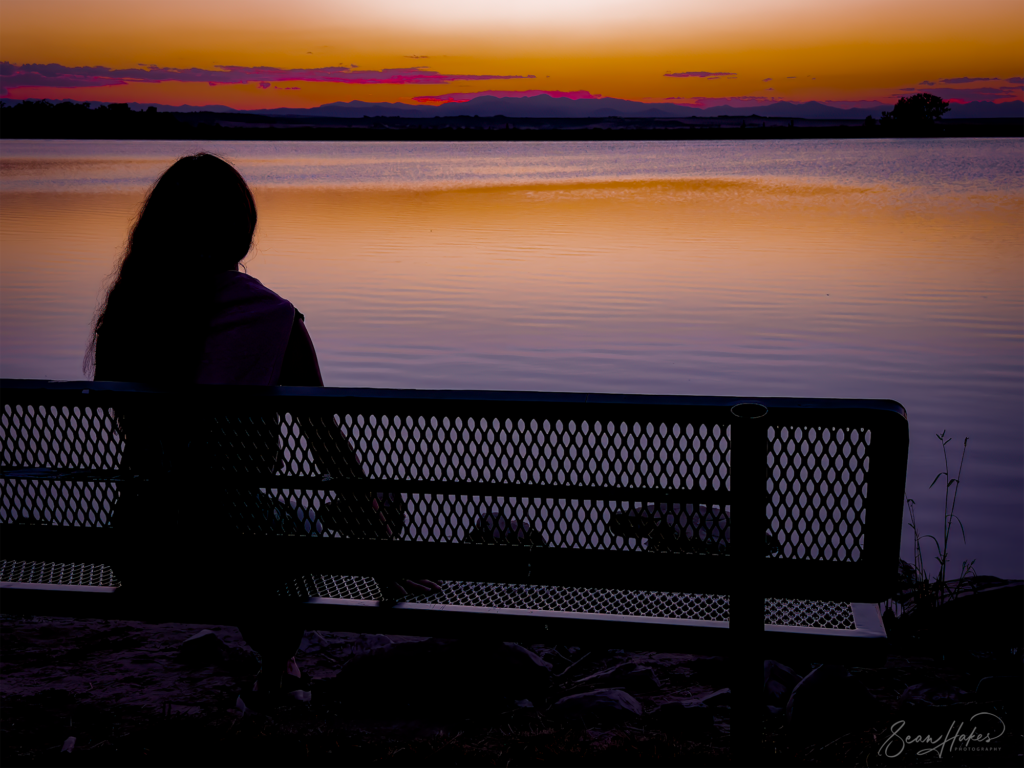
column 979, row 739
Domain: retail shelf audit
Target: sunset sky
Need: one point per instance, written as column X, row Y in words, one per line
column 304, row 53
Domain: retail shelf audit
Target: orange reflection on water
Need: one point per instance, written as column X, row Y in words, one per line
column 695, row 259
column 726, row 264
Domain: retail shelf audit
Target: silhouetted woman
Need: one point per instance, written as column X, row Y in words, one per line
column 179, row 312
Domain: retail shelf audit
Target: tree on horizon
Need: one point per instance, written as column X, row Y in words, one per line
column 919, row 109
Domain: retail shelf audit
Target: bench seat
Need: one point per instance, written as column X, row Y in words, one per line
column 670, row 621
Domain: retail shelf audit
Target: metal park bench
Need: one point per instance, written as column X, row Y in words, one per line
column 750, row 528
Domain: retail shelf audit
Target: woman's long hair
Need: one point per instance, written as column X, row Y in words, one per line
column 197, row 221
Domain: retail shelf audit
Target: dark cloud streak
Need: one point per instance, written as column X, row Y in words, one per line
column 60, row 76
column 962, row 80
column 700, row 74
column 986, row 93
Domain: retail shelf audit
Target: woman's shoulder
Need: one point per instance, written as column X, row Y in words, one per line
column 248, row 333
column 235, row 286
column 241, row 301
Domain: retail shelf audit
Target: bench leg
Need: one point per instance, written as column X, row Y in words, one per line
column 747, row 679
column 747, row 594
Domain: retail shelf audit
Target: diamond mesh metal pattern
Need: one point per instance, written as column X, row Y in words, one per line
column 817, row 489
column 62, row 502
column 58, row 437
column 608, row 454
column 809, row 613
column 337, row 587
column 605, row 454
column 568, row 523
column 457, row 449
column 615, row 602
column 69, row 574
column 817, row 476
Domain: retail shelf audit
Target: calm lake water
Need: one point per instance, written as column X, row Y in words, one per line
column 876, row 269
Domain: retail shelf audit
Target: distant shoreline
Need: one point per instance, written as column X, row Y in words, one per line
column 469, row 135
column 77, row 122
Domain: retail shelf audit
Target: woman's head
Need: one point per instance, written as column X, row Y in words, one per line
column 197, row 221
column 200, row 214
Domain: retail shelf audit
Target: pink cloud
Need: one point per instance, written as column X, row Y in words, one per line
column 264, row 85
column 700, row 74
column 59, row 76
column 1017, row 80
column 460, row 98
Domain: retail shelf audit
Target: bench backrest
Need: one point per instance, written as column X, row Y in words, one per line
column 621, row 491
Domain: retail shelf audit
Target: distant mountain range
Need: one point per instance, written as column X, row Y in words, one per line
column 551, row 107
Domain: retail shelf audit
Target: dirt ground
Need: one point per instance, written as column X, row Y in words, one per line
column 76, row 692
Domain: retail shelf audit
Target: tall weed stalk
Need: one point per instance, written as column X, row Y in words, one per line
column 917, row 590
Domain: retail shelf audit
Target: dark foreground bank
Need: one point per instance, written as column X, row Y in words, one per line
column 41, row 120
column 125, row 693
